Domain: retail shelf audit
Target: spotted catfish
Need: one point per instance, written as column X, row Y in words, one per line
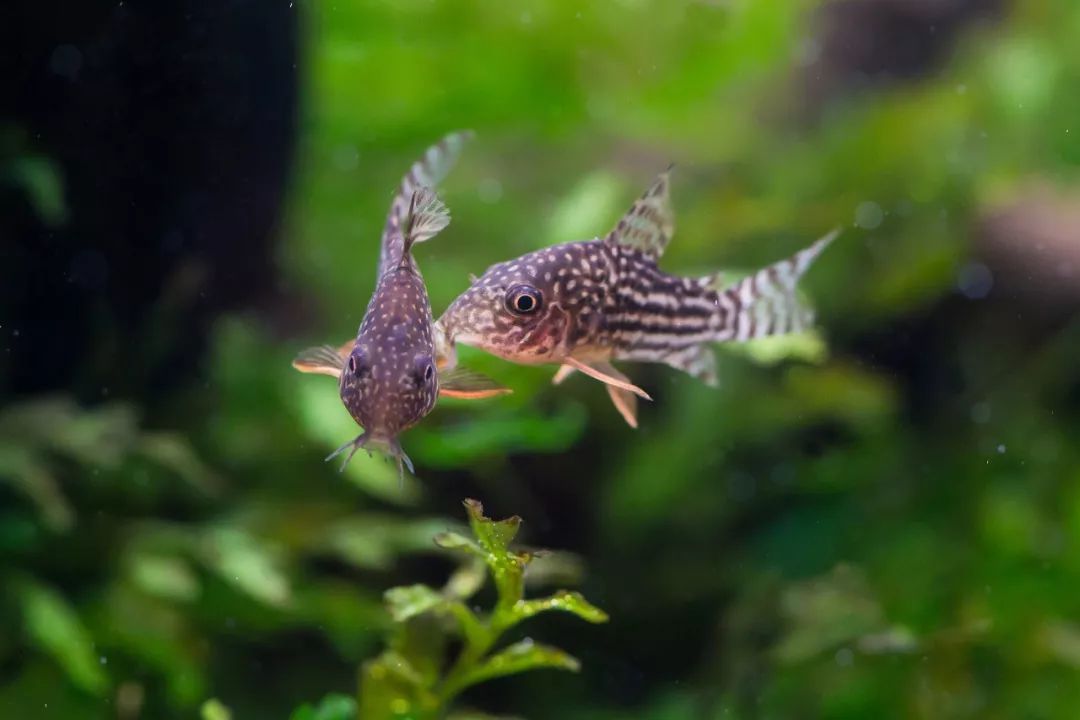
column 387, row 375
column 585, row 304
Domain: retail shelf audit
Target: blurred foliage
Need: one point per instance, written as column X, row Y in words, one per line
column 886, row 524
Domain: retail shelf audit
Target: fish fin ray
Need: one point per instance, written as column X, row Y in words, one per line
column 428, row 216
column 431, row 169
column 767, row 302
column 562, row 373
column 626, row 403
column 321, row 360
column 650, row 222
column 697, row 361
column 461, row 382
column 606, row 373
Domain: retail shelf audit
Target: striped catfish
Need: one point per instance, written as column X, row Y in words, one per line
column 582, row 305
column 387, row 375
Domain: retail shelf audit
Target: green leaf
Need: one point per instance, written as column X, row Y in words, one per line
column 215, row 710
column 166, row 577
column 494, row 536
column 54, row 627
column 571, row 602
column 390, row 689
column 406, row 602
column 454, row 541
column 332, row 707
column 244, row 562
column 518, row 658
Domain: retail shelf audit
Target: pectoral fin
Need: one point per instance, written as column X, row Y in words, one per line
column 323, row 359
column 626, row 403
column 461, row 382
column 606, row 373
column 562, row 373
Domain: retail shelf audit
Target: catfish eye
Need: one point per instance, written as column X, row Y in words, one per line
column 425, row 369
column 523, row 299
column 358, row 364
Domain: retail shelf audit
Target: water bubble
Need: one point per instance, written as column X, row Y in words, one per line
column 844, row 657
column 868, row 215
column 980, row 413
column 1001, row 449
column 974, row 281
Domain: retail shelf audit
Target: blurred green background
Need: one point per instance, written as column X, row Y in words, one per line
column 884, row 527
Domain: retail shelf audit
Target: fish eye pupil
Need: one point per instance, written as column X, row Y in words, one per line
column 428, row 372
column 352, row 364
column 523, row 300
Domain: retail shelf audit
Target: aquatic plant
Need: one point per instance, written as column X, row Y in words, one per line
column 411, row 678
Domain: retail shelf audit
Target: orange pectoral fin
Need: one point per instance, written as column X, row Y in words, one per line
column 321, row 360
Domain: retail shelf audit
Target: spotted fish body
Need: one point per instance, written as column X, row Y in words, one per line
column 584, row 304
column 387, row 377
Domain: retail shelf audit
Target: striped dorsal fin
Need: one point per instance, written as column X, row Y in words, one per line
column 649, row 223
column 766, row 303
column 427, row 172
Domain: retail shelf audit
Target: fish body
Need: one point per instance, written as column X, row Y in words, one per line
column 585, row 304
column 387, row 375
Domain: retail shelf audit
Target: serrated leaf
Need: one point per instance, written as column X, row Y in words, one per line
column 412, row 600
column 571, row 602
column 494, row 536
column 332, row 707
column 54, row 627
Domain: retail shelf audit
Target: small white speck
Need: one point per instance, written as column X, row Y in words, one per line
column 844, row 657
column 1001, row 449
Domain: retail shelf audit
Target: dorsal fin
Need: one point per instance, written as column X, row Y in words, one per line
column 428, row 172
column 427, row 217
column 649, row 223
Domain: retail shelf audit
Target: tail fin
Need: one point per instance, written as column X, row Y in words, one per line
column 427, row 172
column 766, row 303
column 427, row 217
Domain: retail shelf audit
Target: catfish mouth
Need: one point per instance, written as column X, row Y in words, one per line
column 386, row 444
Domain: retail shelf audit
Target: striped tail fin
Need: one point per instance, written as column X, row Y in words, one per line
column 427, row 172
column 766, row 303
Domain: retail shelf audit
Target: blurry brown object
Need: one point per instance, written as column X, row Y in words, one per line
column 1031, row 242
column 858, row 44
